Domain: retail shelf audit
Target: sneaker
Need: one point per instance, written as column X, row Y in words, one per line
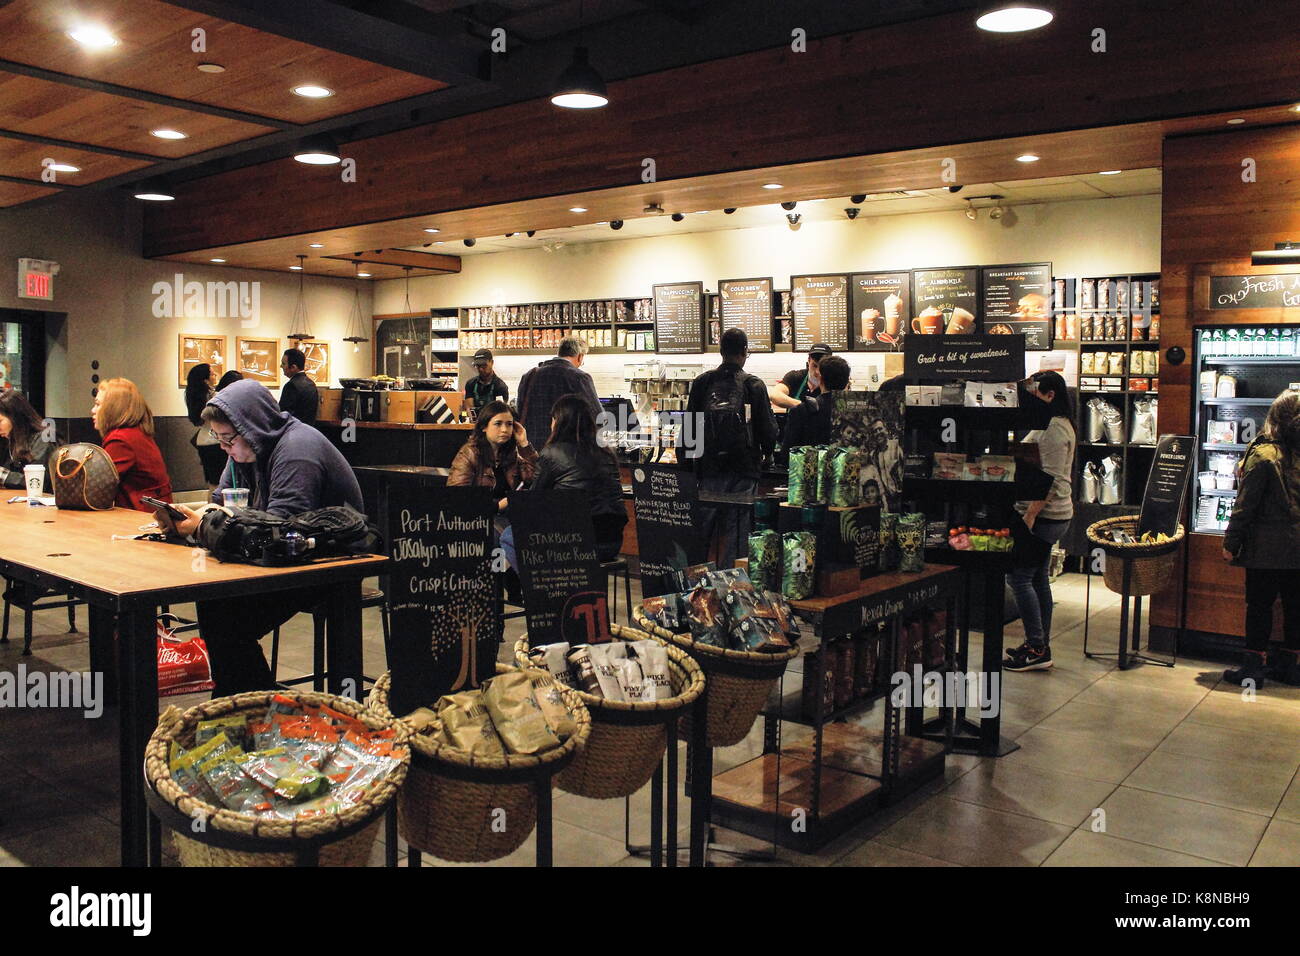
column 1015, row 653
column 1031, row 658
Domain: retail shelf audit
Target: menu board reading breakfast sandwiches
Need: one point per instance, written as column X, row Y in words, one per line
column 821, row 311
column 1018, row 300
column 747, row 304
column 679, row 316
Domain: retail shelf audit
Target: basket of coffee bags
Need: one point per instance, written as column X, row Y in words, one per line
column 741, row 637
column 477, row 759
column 273, row 775
column 1153, row 557
column 633, row 687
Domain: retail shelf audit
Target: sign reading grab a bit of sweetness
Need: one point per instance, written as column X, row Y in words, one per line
column 971, row 358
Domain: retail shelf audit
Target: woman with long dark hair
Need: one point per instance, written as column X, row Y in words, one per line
column 23, row 431
column 1263, row 536
column 574, row 459
column 1048, row 520
column 198, row 389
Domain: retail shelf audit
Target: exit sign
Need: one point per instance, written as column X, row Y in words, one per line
column 36, row 278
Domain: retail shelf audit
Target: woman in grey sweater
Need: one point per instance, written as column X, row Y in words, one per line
column 1048, row 520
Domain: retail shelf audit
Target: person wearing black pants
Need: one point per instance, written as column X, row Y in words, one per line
column 1263, row 536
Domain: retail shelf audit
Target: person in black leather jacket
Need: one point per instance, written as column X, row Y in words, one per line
column 574, row 459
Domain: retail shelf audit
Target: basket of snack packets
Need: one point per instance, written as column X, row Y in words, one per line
column 271, row 775
column 478, row 756
column 741, row 637
column 1154, row 557
column 633, row 687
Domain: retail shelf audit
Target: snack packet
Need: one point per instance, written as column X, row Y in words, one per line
column 285, row 775
column 234, row 726
column 516, row 715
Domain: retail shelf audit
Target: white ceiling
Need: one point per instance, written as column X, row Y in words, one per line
column 1132, row 182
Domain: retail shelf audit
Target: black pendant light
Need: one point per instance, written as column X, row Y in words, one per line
column 317, row 151
column 580, row 87
column 356, row 321
column 299, row 328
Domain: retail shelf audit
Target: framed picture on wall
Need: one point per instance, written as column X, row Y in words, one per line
column 317, row 354
column 199, row 349
column 258, row 359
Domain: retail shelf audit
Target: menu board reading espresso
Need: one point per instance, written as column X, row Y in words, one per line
column 747, row 304
column 821, row 311
column 679, row 317
column 1018, row 300
column 945, row 301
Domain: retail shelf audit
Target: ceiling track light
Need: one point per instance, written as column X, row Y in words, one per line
column 1282, row 254
column 971, row 214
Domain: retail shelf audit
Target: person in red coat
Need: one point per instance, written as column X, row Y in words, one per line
column 121, row 416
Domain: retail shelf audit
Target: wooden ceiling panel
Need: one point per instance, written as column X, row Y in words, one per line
column 154, row 54
column 402, row 258
column 45, row 108
column 22, row 159
column 11, row 194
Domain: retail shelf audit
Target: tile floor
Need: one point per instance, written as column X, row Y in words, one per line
column 1148, row 767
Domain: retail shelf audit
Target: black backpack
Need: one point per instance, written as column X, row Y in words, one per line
column 258, row 537
column 727, row 440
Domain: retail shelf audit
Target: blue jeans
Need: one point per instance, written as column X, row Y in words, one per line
column 1033, row 591
column 507, row 541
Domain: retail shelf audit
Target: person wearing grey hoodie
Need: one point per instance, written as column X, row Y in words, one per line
column 289, row 468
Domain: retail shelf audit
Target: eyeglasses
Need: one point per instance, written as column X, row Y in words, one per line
column 225, row 441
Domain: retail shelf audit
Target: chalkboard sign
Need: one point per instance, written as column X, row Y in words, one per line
column 1171, row 471
column 881, row 309
column 971, row 358
column 446, row 629
column 747, row 304
column 1018, row 301
column 668, row 526
column 820, row 305
column 679, row 317
column 945, row 301
column 401, row 347
column 1255, row 292
column 564, row 587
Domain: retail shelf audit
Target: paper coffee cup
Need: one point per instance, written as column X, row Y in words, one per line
column 34, row 482
column 234, row 497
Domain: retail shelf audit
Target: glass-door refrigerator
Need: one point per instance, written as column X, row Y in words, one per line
column 22, row 355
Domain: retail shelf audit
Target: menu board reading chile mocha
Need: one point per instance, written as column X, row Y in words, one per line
column 821, row 311
column 881, row 309
column 747, row 304
column 1018, row 299
column 679, row 316
column 945, row 301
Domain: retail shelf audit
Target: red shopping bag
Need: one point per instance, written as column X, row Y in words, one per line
column 183, row 666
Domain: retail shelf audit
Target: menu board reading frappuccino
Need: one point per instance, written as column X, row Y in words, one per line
column 747, row 304
column 679, row 317
column 881, row 305
column 821, row 311
column 1018, row 300
column 945, row 301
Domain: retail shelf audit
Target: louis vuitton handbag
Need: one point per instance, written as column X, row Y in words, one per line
column 84, row 478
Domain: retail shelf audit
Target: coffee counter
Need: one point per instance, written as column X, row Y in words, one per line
column 397, row 443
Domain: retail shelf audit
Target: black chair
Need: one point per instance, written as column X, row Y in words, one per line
column 34, row 599
column 370, row 597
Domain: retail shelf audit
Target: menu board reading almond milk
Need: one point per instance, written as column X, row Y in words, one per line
column 821, row 311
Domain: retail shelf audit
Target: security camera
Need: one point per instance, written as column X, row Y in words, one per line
column 616, row 224
column 788, row 205
column 852, row 212
column 678, row 217
column 729, row 210
column 858, row 198
column 469, row 242
column 793, row 219
column 530, row 233
column 955, row 189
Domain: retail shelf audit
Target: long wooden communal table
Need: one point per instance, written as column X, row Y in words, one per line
column 124, row 582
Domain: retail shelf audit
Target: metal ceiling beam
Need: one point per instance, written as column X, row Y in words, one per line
column 37, row 182
column 84, row 147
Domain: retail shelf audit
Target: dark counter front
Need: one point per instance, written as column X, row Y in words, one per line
column 391, row 443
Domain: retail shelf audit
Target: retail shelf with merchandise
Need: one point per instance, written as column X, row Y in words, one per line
column 1258, row 402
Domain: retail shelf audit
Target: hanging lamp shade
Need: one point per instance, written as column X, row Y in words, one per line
column 356, row 321
column 580, row 87
column 299, row 327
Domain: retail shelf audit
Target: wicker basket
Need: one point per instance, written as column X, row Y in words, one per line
column 241, row 839
column 1153, row 564
column 737, row 686
column 627, row 740
column 453, row 803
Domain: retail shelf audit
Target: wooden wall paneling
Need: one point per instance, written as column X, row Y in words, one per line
column 11, row 194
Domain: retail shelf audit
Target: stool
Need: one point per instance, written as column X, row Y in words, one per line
column 612, row 570
column 370, row 597
column 30, row 600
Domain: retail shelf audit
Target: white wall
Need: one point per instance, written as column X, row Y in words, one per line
column 1088, row 237
column 106, row 289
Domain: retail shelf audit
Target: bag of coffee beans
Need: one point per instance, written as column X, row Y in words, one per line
column 798, row 561
column 888, row 556
column 765, row 560
column 516, row 715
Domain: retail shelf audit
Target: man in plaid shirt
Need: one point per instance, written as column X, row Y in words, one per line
column 541, row 386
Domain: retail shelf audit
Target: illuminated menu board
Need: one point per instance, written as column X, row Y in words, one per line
column 821, row 311
column 747, row 304
column 679, row 316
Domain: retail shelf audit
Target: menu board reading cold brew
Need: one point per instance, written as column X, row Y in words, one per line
column 679, row 316
column 821, row 311
column 881, row 309
column 945, row 301
column 668, row 535
column 1018, row 299
column 747, row 304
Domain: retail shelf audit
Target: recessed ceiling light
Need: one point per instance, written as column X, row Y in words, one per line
column 363, row 275
column 95, row 37
column 772, row 186
column 295, row 268
column 168, row 134
column 313, row 92
column 216, row 260
column 439, row 242
column 1110, row 172
column 211, row 68
column 316, row 245
column 1014, row 19
column 433, row 230
column 1027, row 158
column 64, row 168
column 701, row 212
column 1236, row 122
column 577, row 209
